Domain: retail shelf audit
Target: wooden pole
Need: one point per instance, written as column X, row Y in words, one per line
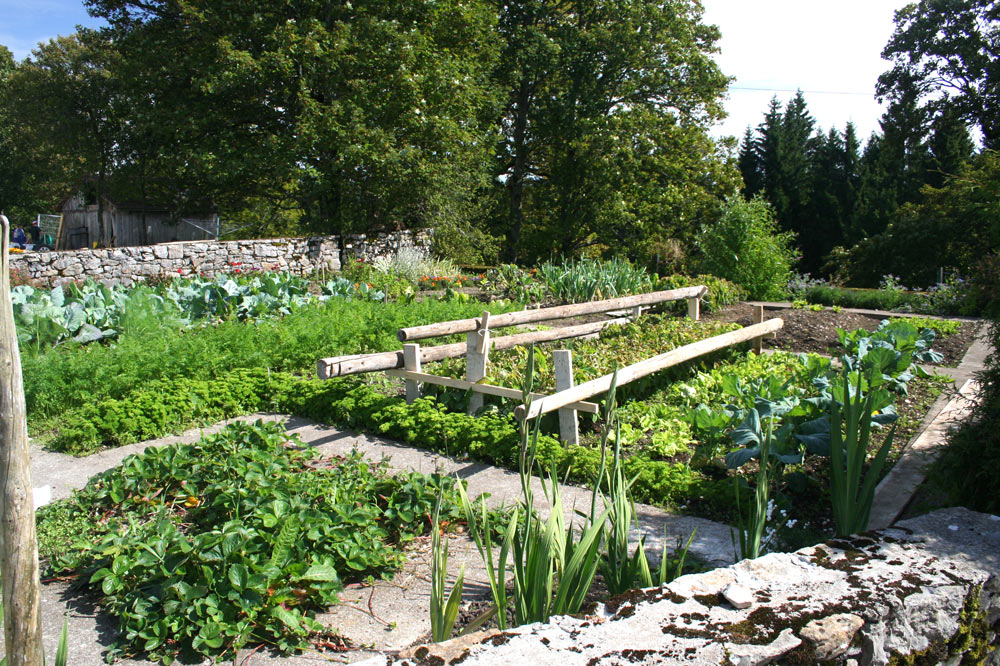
column 411, row 361
column 758, row 317
column 646, row 367
column 562, row 363
column 475, row 366
column 547, row 314
column 18, row 549
column 694, row 309
column 352, row 364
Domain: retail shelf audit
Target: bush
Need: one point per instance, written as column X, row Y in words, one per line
column 745, row 246
column 721, row 292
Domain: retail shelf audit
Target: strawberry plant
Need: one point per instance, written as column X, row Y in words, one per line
column 237, row 539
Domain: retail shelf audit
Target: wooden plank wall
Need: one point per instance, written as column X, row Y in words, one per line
column 124, row 228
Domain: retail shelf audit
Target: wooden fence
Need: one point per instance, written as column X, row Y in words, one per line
column 568, row 399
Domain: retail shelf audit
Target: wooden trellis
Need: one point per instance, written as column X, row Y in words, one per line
column 568, row 399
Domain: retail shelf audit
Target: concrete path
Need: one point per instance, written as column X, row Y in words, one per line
column 897, row 489
column 387, row 616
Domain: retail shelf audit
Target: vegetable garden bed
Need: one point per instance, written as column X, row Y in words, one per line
column 676, row 431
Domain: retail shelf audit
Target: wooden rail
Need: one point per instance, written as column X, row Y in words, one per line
column 646, row 367
column 340, row 366
column 547, row 314
column 476, row 387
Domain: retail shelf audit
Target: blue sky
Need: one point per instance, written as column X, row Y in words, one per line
column 828, row 50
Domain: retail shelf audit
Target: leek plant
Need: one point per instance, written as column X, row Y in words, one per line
column 553, row 567
column 444, row 611
column 850, row 434
column 750, row 531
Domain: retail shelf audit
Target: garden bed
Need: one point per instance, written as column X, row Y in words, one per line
column 816, row 331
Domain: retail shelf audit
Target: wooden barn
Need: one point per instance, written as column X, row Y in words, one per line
column 128, row 223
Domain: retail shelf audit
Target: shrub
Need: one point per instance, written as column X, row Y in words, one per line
column 721, row 292
column 746, row 247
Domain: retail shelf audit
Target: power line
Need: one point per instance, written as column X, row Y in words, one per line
column 811, row 92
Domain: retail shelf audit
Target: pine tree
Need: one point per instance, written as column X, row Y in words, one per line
column 950, row 146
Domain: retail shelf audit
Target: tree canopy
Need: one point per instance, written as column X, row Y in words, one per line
column 947, row 52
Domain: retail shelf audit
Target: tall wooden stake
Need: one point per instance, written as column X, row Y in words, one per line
column 18, row 549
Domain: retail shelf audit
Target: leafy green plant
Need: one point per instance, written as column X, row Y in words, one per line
column 746, row 247
column 942, row 327
column 237, row 539
column 751, row 527
column 582, row 280
column 851, row 420
column 444, row 611
column 514, row 283
column 721, row 292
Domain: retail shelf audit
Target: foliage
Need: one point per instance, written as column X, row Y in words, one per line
column 515, row 283
column 391, row 284
column 961, row 214
column 604, row 126
column 62, row 378
column 751, row 529
column 943, row 52
column 721, row 292
column 579, row 281
column 237, row 539
column 553, row 571
column 411, row 263
column 444, row 611
column 968, row 471
column 90, row 311
column 745, row 247
column 850, row 432
column 941, row 327
column 617, row 345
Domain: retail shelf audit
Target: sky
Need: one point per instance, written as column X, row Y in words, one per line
column 829, row 50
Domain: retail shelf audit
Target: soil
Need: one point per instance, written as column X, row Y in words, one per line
column 809, row 331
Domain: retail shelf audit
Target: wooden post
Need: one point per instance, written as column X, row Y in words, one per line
column 475, row 365
column 637, row 312
column 758, row 317
column 562, row 362
column 411, row 361
column 18, row 548
column 694, row 308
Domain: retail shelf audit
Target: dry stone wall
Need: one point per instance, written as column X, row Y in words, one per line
column 926, row 591
column 127, row 265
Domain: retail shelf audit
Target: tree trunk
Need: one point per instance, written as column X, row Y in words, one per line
column 18, row 550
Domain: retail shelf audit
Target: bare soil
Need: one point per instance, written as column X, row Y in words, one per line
column 809, row 331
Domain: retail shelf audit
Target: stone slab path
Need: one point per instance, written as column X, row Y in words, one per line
column 387, row 616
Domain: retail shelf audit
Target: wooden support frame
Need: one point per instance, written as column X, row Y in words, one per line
column 411, row 361
column 646, row 367
column 487, row 389
column 340, row 366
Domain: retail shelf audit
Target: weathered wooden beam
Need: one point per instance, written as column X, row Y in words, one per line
column 488, row 389
column 22, row 622
column 340, row 366
column 547, row 314
column 646, row 367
